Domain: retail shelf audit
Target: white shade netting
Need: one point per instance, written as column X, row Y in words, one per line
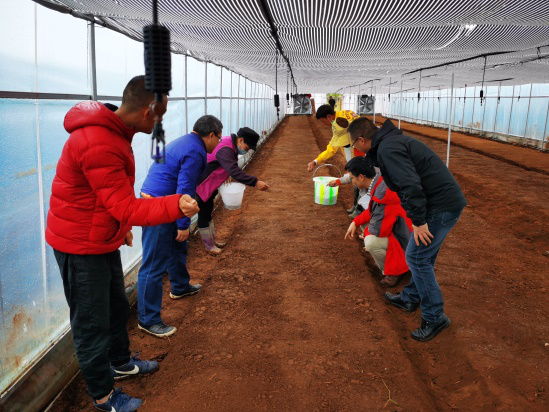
column 331, row 45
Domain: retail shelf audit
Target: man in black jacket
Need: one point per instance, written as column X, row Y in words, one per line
column 433, row 200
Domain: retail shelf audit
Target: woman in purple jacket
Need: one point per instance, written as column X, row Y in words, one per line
column 222, row 164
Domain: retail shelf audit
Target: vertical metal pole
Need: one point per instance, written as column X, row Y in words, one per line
column 238, row 105
column 400, row 104
column 374, row 104
column 463, row 111
column 473, row 116
column 91, row 48
column 482, row 128
column 231, row 106
column 186, row 100
column 245, row 100
column 545, row 128
column 206, row 88
column 221, row 95
column 389, row 99
column 528, row 111
column 497, row 107
column 450, row 123
column 41, row 199
column 511, row 112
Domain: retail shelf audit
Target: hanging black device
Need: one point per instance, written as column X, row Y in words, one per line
column 158, row 78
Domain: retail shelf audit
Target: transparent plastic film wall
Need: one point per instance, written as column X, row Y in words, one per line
column 49, row 53
column 510, row 113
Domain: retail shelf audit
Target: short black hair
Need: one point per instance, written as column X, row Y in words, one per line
column 135, row 96
column 361, row 165
column 362, row 127
column 323, row 111
column 208, row 124
column 250, row 137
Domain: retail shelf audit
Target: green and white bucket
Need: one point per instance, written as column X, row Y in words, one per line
column 324, row 194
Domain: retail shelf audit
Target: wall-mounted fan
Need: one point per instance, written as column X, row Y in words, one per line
column 302, row 104
column 365, row 104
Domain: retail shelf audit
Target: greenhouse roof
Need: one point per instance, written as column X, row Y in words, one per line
column 331, row 45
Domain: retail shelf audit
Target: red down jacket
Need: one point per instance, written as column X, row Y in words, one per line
column 93, row 204
column 387, row 218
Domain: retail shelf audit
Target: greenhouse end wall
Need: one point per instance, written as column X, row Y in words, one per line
column 44, row 60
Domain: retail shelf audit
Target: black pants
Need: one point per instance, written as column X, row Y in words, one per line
column 99, row 311
column 206, row 210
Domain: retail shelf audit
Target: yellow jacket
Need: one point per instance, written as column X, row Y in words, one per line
column 340, row 136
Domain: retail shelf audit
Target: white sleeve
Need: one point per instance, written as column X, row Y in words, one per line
column 346, row 179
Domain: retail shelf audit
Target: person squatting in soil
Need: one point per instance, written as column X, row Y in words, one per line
column 341, row 140
column 433, row 200
column 222, row 164
column 165, row 247
column 389, row 229
column 92, row 209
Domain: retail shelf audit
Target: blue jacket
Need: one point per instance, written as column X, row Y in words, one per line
column 185, row 163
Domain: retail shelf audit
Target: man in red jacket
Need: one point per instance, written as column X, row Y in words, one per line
column 92, row 209
column 389, row 229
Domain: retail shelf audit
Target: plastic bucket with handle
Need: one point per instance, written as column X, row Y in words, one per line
column 324, row 194
column 232, row 194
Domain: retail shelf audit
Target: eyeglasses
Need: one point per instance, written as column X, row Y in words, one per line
column 356, row 140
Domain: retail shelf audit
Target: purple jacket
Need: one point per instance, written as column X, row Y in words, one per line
column 222, row 164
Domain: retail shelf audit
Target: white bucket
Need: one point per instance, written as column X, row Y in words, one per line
column 324, row 194
column 232, row 194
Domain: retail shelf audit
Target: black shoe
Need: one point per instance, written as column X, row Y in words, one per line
column 160, row 330
column 428, row 330
column 397, row 301
column 193, row 290
column 351, row 210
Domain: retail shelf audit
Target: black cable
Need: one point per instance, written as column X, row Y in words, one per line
column 266, row 11
column 276, row 96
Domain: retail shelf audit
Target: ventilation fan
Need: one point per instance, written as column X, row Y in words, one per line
column 365, row 104
column 302, row 104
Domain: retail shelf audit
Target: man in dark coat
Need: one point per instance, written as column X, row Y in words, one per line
column 433, row 200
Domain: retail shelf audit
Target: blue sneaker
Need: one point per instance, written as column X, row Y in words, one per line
column 193, row 290
column 119, row 402
column 134, row 367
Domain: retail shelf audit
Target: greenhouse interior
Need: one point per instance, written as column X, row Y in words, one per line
column 292, row 315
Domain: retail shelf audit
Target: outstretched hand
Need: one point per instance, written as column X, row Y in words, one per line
column 422, row 233
column 260, row 185
column 334, row 183
column 311, row 166
column 351, row 231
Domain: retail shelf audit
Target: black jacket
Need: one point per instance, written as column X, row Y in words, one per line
column 416, row 173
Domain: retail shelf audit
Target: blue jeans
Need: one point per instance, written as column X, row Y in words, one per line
column 161, row 254
column 423, row 287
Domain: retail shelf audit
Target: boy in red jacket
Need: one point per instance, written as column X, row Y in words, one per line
column 389, row 230
column 92, row 209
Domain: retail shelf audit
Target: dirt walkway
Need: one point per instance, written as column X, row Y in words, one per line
column 527, row 158
column 291, row 318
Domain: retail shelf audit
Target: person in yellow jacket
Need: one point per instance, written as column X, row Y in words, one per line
column 340, row 121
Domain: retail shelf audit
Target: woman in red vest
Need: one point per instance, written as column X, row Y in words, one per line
column 222, row 164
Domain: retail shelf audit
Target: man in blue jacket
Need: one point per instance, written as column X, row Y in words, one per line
column 433, row 200
column 165, row 246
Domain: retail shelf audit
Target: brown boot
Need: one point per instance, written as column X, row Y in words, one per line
column 391, row 281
